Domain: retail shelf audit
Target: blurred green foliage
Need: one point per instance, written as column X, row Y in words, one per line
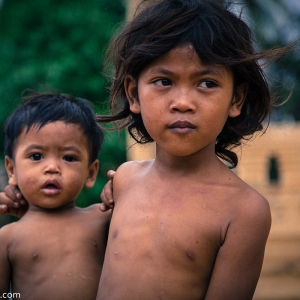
column 59, row 45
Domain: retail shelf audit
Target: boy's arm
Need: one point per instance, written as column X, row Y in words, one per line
column 239, row 260
column 107, row 193
column 5, row 269
column 12, row 202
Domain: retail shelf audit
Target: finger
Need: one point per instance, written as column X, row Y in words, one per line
column 106, row 199
column 11, row 192
column 5, row 200
column 14, row 194
column 111, row 174
column 17, row 192
column 3, row 208
column 103, row 207
column 108, row 194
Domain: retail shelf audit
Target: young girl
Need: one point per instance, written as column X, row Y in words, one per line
column 184, row 226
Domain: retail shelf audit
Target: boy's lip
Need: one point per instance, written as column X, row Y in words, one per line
column 51, row 187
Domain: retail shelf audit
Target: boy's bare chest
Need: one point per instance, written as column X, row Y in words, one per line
column 37, row 244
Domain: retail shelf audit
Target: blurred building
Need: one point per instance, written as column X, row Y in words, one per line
column 271, row 164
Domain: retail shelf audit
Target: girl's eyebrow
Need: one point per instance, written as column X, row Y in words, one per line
column 210, row 70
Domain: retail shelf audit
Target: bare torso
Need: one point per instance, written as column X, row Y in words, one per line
column 57, row 256
column 166, row 234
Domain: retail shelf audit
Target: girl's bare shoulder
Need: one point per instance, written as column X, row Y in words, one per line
column 130, row 170
column 248, row 205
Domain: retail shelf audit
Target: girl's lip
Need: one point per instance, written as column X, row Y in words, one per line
column 182, row 127
column 182, row 124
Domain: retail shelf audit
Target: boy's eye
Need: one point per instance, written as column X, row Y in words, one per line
column 208, row 84
column 69, row 158
column 36, row 156
column 163, row 82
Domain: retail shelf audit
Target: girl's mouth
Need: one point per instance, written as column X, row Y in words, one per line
column 182, row 127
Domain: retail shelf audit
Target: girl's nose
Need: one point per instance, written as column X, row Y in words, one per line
column 183, row 102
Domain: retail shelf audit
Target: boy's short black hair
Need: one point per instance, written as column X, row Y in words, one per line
column 217, row 35
column 40, row 109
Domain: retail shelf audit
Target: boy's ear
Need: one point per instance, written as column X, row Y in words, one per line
column 237, row 103
column 92, row 174
column 130, row 86
column 10, row 169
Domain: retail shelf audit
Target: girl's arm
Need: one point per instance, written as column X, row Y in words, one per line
column 239, row 260
column 12, row 202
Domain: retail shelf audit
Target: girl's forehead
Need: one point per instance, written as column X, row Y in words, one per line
column 186, row 57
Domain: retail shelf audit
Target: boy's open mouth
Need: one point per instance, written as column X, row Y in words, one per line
column 51, row 187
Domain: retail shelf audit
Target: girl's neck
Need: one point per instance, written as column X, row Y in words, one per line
column 202, row 162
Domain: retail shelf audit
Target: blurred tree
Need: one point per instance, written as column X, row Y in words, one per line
column 59, row 45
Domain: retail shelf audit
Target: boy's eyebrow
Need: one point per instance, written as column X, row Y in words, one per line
column 41, row 147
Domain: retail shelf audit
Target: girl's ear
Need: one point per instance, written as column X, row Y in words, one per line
column 92, row 174
column 237, row 103
column 10, row 169
column 130, row 86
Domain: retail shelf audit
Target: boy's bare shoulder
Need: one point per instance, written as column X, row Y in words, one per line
column 7, row 232
column 93, row 212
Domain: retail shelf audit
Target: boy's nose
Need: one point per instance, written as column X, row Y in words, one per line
column 183, row 102
column 52, row 167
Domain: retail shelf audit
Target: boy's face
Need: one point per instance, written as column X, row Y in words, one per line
column 51, row 165
column 184, row 104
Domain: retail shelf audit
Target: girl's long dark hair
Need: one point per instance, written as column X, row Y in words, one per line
column 218, row 37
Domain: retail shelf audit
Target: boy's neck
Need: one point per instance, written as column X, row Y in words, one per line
column 58, row 210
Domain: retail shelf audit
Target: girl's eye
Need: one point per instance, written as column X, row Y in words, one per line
column 208, row 84
column 36, row 156
column 163, row 82
column 69, row 158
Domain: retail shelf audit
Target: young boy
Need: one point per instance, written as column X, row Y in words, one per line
column 184, row 226
column 56, row 250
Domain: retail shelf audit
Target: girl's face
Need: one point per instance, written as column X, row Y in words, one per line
column 184, row 104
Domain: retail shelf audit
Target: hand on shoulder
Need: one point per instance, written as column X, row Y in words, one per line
column 117, row 179
column 12, row 202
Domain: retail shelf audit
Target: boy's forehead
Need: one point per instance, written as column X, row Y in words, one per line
column 54, row 124
column 57, row 131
